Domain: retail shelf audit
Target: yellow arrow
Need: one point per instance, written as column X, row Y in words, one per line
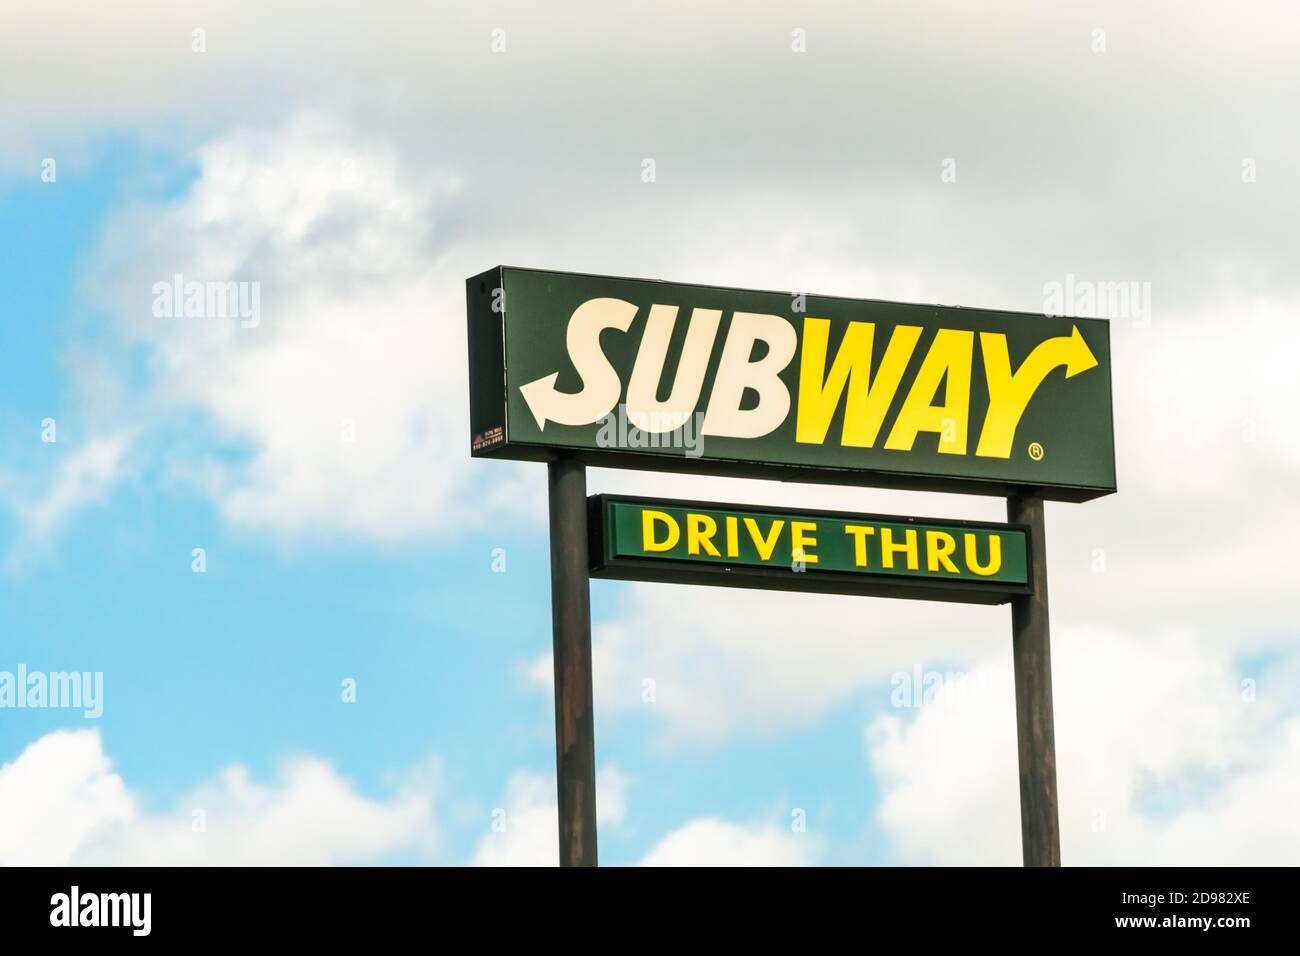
column 1009, row 394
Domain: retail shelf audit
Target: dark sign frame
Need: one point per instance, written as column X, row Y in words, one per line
column 499, row 430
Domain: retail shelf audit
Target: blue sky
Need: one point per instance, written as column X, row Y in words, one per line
column 243, row 663
column 845, row 166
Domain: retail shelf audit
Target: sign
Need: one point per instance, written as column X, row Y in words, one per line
column 691, row 542
column 655, row 375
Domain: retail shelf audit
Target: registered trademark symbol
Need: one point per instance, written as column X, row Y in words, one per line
column 1035, row 451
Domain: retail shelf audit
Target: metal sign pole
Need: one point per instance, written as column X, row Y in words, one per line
column 1031, row 649
column 575, row 740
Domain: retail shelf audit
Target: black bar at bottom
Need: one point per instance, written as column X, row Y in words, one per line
column 1224, row 905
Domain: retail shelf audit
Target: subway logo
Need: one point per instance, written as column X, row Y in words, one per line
column 655, row 375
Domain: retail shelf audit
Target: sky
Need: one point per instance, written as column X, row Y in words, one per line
column 323, row 631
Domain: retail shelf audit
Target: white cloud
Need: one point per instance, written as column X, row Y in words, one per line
column 859, row 174
column 1161, row 756
column 349, row 394
column 714, row 842
column 82, row 478
column 745, row 663
column 524, row 830
column 63, row 804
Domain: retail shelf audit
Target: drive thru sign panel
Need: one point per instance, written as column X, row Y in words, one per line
column 786, row 549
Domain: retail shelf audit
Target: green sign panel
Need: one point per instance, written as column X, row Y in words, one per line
column 688, row 542
column 655, row 375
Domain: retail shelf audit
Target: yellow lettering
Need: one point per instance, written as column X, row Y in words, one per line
column 799, row 544
column 888, row 548
column 948, row 363
column 700, row 530
column 648, row 542
column 859, row 533
column 1009, row 394
column 939, row 545
column 820, row 391
column 733, row 544
column 765, row 546
column 995, row 555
